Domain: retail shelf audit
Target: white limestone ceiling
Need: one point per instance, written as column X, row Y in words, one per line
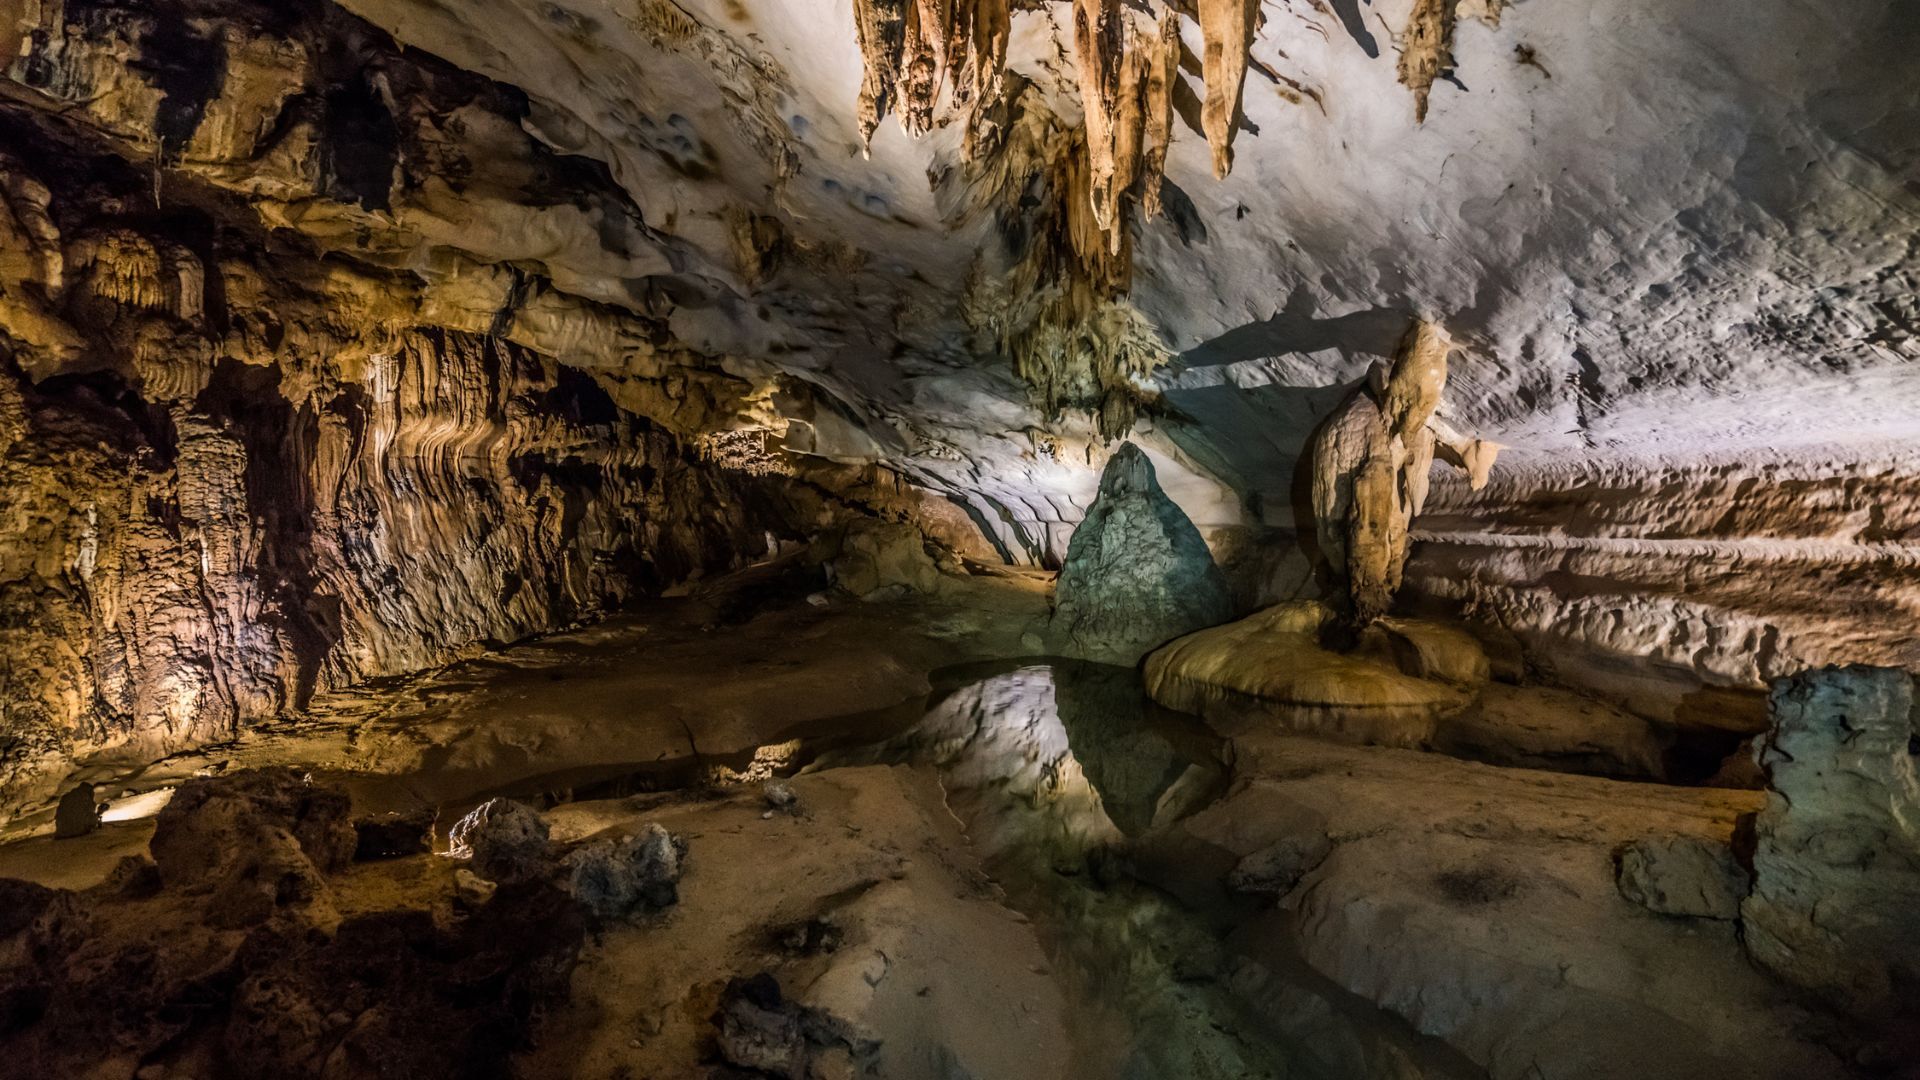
column 1657, row 228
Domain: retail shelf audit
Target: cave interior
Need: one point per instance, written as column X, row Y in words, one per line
column 987, row 539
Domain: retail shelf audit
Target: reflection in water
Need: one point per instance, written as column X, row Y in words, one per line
column 1049, row 767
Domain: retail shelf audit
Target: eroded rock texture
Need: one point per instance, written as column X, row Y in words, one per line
column 241, row 950
column 1371, row 465
column 1837, row 848
column 244, row 465
column 1137, row 573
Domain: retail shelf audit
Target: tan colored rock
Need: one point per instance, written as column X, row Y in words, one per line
column 1125, row 66
column 915, row 49
column 1683, row 875
column 1371, row 463
column 1426, row 49
column 1269, row 670
column 1227, row 27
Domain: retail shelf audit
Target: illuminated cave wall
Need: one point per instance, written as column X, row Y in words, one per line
column 242, row 461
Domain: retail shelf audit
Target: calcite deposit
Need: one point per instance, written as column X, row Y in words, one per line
column 1372, row 461
column 1007, row 538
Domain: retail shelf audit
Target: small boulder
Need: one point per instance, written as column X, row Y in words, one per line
column 507, row 841
column 614, row 878
column 1682, row 875
column 1275, row 869
column 472, row 890
column 882, row 560
column 758, row 1030
column 779, row 795
column 78, row 813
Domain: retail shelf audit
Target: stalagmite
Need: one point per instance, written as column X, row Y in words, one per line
column 1371, row 462
column 1227, row 28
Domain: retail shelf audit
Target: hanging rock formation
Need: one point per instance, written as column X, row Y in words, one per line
column 1426, row 49
column 1371, row 462
column 913, row 49
column 1227, row 27
column 1137, row 572
column 1836, row 862
column 1127, row 69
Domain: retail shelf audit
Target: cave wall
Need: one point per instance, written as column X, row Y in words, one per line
column 263, row 431
column 1682, row 589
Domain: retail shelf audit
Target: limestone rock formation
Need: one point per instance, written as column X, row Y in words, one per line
column 882, row 560
column 1270, row 670
column 1137, row 573
column 505, row 840
column 1127, row 72
column 1426, row 49
column 1226, row 27
column 1683, row 875
column 914, row 50
column 1370, row 464
column 1836, row 861
column 252, row 842
column 613, row 878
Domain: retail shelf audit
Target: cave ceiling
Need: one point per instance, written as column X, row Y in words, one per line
column 1656, row 231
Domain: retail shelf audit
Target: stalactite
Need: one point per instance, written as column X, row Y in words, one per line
column 881, row 28
column 1162, row 73
column 1126, row 89
column 1227, row 29
column 912, row 49
column 1426, row 49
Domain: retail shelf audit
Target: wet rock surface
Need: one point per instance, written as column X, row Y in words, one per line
column 1137, row 573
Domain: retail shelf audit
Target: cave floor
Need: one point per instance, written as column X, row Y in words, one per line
column 1000, row 865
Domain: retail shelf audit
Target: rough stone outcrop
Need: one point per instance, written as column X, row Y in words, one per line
column 1836, row 863
column 616, row 877
column 290, row 427
column 234, row 959
column 506, row 841
column 1370, row 465
column 1137, row 573
column 253, row 842
column 1682, row 875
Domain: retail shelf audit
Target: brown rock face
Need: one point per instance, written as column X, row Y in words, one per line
column 1837, row 857
column 1371, row 462
column 240, row 463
